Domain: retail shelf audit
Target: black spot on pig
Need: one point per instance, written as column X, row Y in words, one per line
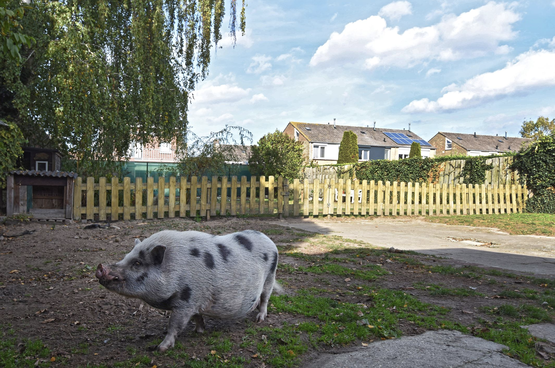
column 167, row 304
column 274, row 263
column 142, row 255
column 265, row 257
column 209, row 260
column 244, row 241
column 224, row 251
column 185, row 294
column 158, row 254
column 195, row 252
column 142, row 278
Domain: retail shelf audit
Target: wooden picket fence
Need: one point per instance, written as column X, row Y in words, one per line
column 276, row 196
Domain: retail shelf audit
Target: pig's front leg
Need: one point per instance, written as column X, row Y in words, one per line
column 178, row 320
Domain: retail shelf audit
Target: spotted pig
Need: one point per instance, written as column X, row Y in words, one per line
column 194, row 274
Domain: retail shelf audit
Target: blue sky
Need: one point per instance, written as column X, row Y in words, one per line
column 457, row 66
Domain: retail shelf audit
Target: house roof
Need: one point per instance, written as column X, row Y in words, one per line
column 328, row 133
column 240, row 153
column 52, row 174
column 486, row 143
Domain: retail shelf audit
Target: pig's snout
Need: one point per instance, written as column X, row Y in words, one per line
column 104, row 274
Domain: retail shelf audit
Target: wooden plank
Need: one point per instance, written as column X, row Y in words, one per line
column 138, row 198
column 364, row 207
column 387, row 198
column 402, row 199
column 252, row 197
column 204, row 197
column 76, row 197
column 502, row 198
column 340, row 197
column 262, row 200
column 271, row 195
column 513, row 198
column 394, row 199
column 171, row 199
column 90, row 198
column 233, row 196
column 471, row 205
column 326, row 197
column 150, row 198
column 438, row 199
column 495, row 199
column 126, row 198
column 101, row 199
column 416, row 198
column 305, row 197
column 431, row 193
column 332, row 201
column 477, row 205
column 193, row 201
column 451, row 200
column 315, row 194
column 161, row 196
column 483, row 199
column 243, row 195
column 519, row 198
column 380, row 200
column 223, row 197
column 372, row 194
column 214, row 183
column 490, row 199
column 348, row 196
column 296, row 197
column 424, row 199
column 464, row 202
column 283, row 197
column 357, row 198
column 182, row 196
column 114, row 200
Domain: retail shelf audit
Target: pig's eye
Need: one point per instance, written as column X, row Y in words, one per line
column 138, row 263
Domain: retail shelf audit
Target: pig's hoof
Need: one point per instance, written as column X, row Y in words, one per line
column 152, row 348
column 199, row 329
column 260, row 317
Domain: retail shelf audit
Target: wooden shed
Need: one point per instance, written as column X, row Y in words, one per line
column 43, row 194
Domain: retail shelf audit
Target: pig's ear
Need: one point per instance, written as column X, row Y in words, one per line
column 137, row 241
column 158, row 254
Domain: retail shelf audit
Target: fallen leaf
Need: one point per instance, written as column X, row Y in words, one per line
column 49, row 320
column 364, row 344
column 347, row 279
column 14, row 271
column 53, row 359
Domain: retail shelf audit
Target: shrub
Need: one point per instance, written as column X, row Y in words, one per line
column 348, row 149
column 277, row 154
column 415, row 150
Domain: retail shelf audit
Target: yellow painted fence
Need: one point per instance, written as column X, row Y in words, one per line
column 220, row 196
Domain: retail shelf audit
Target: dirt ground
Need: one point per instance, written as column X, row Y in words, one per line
column 48, row 290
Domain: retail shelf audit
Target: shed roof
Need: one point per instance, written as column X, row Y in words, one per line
column 52, row 174
column 486, row 143
column 367, row 136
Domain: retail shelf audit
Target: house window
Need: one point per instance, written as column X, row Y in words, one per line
column 364, row 154
column 448, row 144
column 296, row 135
column 402, row 156
column 319, row 151
column 41, row 165
column 165, row 148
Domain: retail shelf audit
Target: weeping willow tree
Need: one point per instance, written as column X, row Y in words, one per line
column 106, row 74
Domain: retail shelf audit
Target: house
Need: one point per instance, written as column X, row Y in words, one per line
column 475, row 144
column 322, row 142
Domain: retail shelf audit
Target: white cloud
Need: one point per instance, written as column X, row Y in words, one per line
column 333, row 17
column 528, row 71
column 258, row 97
column 276, row 80
column 433, row 71
column 260, row 64
column 211, row 94
column 370, row 43
column 245, row 41
column 396, row 10
column 223, row 118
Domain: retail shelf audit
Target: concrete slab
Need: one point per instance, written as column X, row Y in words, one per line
column 480, row 246
column 436, row 349
column 543, row 331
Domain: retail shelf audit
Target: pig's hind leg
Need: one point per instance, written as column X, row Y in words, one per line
column 264, row 297
column 178, row 320
column 199, row 323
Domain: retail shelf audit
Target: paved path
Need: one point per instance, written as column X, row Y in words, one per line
column 481, row 246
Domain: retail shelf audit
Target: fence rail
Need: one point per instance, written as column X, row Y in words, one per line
column 113, row 200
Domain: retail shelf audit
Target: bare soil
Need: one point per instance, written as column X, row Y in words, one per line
column 48, row 290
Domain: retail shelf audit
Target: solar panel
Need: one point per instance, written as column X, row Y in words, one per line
column 401, row 138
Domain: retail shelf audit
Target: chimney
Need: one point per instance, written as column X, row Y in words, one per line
column 409, row 127
column 374, row 125
column 333, row 123
column 505, row 135
column 474, row 134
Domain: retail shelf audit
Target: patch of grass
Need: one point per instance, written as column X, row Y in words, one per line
column 439, row 290
column 454, row 271
column 33, row 353
column 515, row 223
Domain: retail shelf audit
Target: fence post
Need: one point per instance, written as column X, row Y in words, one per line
column 204, row 197
column 380, row 201
column 223, row 197
column 285, row 197
column 182, row 196
column 364, row 209
column 150, row 198
column 193, row 200
column 171, row 199
column 315, row 197
column 213, row 196
column 161, row 196
column 262, row 201
column 102, row 199
column 126, row 198
column 280, row 197
column 296, row 196
column 233, row 196
column 114, row 216
column 243, row 195
column 326, row 198
column 76, row 197
column 271, row 195
column 138, row 198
